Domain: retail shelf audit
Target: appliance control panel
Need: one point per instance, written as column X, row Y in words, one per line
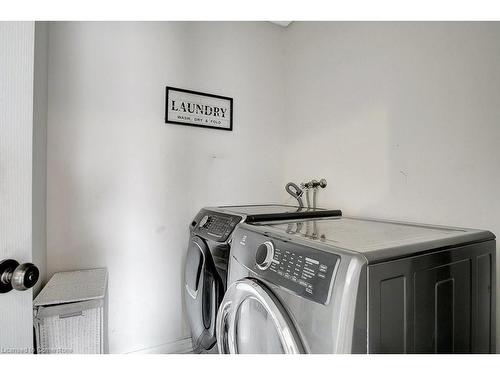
column 214, row 225
column 306, row 271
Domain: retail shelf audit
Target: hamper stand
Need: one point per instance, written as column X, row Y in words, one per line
column 70, row 313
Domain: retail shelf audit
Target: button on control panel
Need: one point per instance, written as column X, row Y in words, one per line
column 306, row 271
column 217, row 226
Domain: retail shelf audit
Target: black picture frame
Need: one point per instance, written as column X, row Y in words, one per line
column 168, row 89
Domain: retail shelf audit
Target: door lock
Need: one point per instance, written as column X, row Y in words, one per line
column 17, row 276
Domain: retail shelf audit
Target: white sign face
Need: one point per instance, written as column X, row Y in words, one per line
column 192, row 108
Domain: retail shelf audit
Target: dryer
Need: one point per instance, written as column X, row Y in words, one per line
column 355, row 285
column 207, row 259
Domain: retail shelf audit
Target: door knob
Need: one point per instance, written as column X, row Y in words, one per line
column 17, row 276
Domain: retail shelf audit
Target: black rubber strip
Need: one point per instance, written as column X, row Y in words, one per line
column 292, row 215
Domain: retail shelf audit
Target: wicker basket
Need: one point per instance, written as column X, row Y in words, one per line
column 70, row 313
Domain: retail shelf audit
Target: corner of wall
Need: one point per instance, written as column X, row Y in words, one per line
column 39, row 193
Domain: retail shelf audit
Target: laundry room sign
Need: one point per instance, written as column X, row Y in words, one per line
column 193, row 108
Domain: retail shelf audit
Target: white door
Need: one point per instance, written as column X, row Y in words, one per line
column 251, row 320
column 16, row 178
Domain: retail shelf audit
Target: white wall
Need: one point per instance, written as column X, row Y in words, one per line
column 402, row 119
column 123, row 185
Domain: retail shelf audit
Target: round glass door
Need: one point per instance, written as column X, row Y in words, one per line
column 255, row 329
column 252, row 321
column 203, row 293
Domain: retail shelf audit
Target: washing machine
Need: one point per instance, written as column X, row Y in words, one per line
column 207, row 259
column 356, row 285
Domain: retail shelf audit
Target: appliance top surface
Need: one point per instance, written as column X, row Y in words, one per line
column 218, row 223
column 263, row 209
column 376, row 239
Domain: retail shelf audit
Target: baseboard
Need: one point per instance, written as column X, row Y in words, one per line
column 181, row 346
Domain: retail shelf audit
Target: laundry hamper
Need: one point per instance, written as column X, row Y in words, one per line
column 70, row 313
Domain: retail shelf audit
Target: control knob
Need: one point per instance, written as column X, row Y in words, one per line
column 264, row 255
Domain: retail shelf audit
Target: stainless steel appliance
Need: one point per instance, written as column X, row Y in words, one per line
column 352, row 285
column 207, row 258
